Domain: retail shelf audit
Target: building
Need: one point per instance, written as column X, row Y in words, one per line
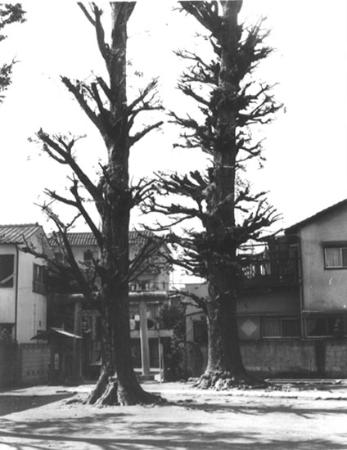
column 149, row 292
column 292, row 307
column 23, row 303
column 322, row 239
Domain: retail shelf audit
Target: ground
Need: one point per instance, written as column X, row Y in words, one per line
column 46, row 417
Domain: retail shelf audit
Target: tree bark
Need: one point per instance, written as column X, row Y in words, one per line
column 118, row 383
column 224, row 367
column 230, row 214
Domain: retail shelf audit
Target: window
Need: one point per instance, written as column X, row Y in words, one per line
column 290, row 327
column 329, row 325
column 280, row 327
column 39, row 276
column 89, row 256
column 335, row 257
column 272, row 327
column 6, row 271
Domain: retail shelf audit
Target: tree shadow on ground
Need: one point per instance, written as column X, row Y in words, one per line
column 181, row 440
column 16, row 403
column 256, row 409
column 81, row 432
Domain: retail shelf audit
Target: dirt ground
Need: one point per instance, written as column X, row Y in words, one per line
column 39, row 418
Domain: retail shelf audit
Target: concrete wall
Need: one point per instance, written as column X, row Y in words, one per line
column 275, row 357
column 324, row 290
column 7, row 295
column 297, row 357
column 23, row 364
column 34, row 363
column 285, row 301
column 280, row 357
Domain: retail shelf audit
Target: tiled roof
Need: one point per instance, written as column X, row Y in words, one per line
column 87, row 239
column 15, row 234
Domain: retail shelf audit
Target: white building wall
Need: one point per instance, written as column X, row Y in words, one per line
column 8, row 295
column 32, row 307
column 324, row 289
column 79, row 252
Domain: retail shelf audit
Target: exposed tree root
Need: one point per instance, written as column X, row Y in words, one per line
column 108, row 392
column 219, row 381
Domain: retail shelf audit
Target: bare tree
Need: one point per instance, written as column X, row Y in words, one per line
column 231, row 103
column 9, row 13
column 106, row 105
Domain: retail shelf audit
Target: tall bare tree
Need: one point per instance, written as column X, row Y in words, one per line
column 9, row 13
column 231, row 104
column 106, row 104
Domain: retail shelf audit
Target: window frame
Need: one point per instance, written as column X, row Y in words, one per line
column 325, row 318
column 11, row 276
column 282, row 320
column 340, row 245
column 39, row 285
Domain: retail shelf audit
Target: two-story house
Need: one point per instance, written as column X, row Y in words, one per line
column 23, row 305
column 292, row 305
column 149, row 291
column 322, row 239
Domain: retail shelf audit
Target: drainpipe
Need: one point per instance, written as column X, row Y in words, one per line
column 301, row 288
column 16, row 295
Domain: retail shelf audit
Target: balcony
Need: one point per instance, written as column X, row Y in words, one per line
column 275, row 266
column 148, row 286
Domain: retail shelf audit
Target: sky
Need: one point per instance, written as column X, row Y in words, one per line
column 305, row 147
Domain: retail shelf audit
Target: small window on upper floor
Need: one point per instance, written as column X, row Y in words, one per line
column 335, row 257
column 6, row 271
column 39, row 279
column 89, row 256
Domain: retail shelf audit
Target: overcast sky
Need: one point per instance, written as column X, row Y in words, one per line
column 306, row 147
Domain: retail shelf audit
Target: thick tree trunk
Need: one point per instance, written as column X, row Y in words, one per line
column 117, row 383
column 225, row 367
column 224, row 362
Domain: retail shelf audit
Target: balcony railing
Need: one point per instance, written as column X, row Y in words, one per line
column 259, row 272
column 148, row 286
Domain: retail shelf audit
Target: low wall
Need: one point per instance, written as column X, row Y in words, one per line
column 287, row 357
column 34, row 363
column 313, row 357
column 279, row 356
column 8, row 364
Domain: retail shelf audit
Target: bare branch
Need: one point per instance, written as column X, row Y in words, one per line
column 139, row 135
column 53, row 146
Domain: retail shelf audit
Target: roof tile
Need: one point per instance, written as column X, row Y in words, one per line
column 15, row 234
column 87, row 239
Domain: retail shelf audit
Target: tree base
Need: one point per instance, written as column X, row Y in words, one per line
column 220, row 381
column 108, row 392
